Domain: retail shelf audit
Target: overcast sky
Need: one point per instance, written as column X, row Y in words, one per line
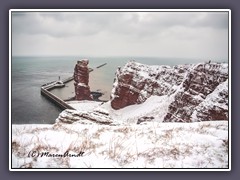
column 155, row 34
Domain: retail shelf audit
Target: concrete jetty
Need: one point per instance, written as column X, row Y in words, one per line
column 55, row 99
column 101, row 65
column 46, row 90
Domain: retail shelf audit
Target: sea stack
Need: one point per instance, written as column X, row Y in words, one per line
column 81, row 79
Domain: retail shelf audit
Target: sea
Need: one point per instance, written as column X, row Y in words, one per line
column 28, row 106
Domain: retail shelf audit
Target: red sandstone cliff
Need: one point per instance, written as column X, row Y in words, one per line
column 204, row 84
column 135, row 82
column 200, row 92
column 81, row 79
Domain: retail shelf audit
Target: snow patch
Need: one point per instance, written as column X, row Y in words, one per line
column 153, row 145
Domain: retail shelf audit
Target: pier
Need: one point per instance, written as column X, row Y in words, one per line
column 59, row 102
column 45, row 91
column 62, row 103
column 101, row 65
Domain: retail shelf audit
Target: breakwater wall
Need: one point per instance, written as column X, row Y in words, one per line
column 68, row 79
column 59, row 102
column 45, row 91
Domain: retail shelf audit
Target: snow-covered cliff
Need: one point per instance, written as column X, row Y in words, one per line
column 136, row 82
column 127, row 131
column 199, row 91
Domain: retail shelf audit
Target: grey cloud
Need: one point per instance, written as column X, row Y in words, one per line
column 131, row 33
column 158, row 23
column 128, row 23
column 189, row 19
column 216, row 20
column 53, row 24
column 65, row 24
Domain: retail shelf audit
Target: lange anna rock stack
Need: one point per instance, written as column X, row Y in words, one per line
column 81, row 78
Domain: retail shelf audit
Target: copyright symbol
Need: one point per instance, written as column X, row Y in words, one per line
column 33, row 154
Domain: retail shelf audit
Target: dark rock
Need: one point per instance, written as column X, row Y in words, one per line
column 96, row 95
column 145, row 119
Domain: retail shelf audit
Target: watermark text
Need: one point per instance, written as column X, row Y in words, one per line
column 36, row 153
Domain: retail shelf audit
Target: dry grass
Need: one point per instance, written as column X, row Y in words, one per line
column 152, row 145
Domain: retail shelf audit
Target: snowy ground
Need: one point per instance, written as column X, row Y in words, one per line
column 84, row 105
column 154, row 106
column 148, row 145
column 123, row 143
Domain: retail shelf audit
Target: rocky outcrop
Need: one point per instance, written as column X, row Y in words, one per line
column 84, row 117
column 199, row 91
column 214, row 107
column 135, row 82
column 145, row 119
column 199, row 84
column 81, row 79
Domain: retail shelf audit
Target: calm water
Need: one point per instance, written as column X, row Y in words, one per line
column 29, row 73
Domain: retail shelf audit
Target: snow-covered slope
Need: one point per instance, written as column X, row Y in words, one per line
column 89, row 112
column 148, row 145
column 183, row 93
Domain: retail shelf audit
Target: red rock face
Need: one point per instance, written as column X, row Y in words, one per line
column 135, row 82
column 200, row 92
column 199, row 97
column 214, row 107
column 81, row 78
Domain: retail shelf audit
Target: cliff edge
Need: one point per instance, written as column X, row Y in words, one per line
column 199, row 91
